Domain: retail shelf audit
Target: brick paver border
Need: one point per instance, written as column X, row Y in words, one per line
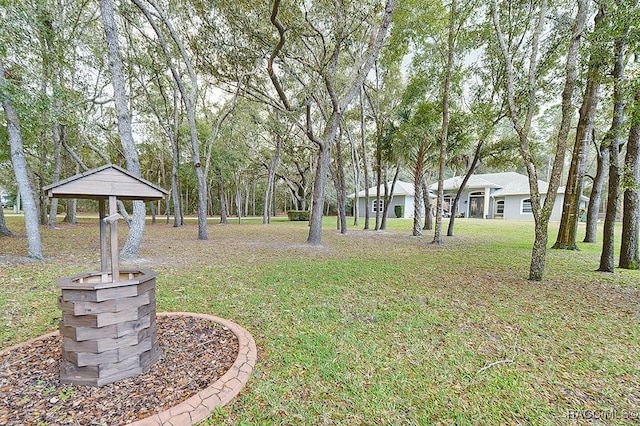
column 200, row 406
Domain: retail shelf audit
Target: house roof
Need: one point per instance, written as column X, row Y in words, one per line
column 505, row 183
column 401, row 188
column 103, row 182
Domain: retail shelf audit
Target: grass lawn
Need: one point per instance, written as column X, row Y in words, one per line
column 379, row 327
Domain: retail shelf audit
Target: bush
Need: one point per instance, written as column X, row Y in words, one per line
column 399, row 211
column 299, row 215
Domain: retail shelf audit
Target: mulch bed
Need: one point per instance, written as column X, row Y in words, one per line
column 196, row 352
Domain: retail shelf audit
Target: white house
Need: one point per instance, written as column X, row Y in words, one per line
column 499, row 195
column 403, row 195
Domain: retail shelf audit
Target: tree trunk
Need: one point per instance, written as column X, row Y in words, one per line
column 593, row 210
column 444, row 131
column 57, row 132
column 388, row 198
column 472, row 168
column 568, row 231
column 70, row 214
column 70, row 211
column 365, row 163
column 378, row 180
column 4, row 230
column 340, row 184
column 178, row 214
column 355, row 168
column 134, row 238
column 223, row 201
column 34, row 243
column 418, row 178
column 426, row 199
column 152, row 207
column 629, row 255
column 238, row 198
column 542, row 213
column 322, row 174
column 613, row 142
column 271, row 175
column 189, row 97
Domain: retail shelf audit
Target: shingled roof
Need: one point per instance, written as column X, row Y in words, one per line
column 103, row 182
column 505, row 183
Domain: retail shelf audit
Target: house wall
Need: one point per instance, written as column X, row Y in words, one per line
column 513, row 207
column 398, row 200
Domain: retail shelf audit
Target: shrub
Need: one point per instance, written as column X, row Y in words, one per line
column 398, row 210
column 299, row 215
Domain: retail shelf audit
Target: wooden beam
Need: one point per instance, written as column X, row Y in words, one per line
column 103, row 240
column 115, row 254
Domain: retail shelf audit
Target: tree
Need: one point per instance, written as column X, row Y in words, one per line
column 418, row 134
column 338, row 94
column 271, row 174
column 593, row 208
column 444, row 132
column 522, row 125
column 567, row 233
column 34, row 243
column 629, row 254
column 613, row 142
column 189, row 97
column 365, row 160
column 136, row 227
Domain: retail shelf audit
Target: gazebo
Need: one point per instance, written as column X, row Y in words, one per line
column 108, row 317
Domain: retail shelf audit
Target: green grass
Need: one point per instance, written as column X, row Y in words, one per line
column 379, row 327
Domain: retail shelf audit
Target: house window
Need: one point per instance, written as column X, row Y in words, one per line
column 447, row 205
column 500, row 208
column 377, row 205
column 526, row 206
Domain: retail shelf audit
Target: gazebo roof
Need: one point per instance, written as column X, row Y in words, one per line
column 103, row 182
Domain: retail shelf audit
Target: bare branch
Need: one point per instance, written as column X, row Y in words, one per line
column 274, row 54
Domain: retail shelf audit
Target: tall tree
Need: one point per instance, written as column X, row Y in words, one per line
column 118, row 81
column 629, row 253
column 522, row 125
column 271, row 175
column 593, row 208
column 339, row 92
column 613, row 141
column 337, row 172
column 189, row 96
column 34, row 242
column 365, row 160
column 567, row 233
column 444, row 132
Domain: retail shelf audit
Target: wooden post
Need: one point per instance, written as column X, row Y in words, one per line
column 103, row 241
column 115, row 254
